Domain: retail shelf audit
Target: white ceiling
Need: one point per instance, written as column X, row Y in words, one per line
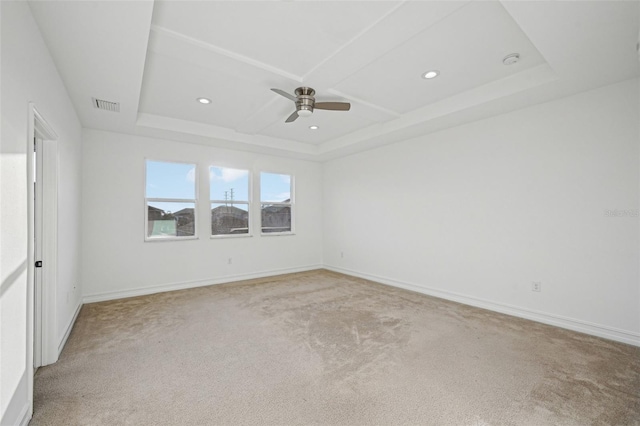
column 156, row 58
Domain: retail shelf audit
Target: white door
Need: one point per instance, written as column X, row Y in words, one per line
column 37, row 249
column 45, row 196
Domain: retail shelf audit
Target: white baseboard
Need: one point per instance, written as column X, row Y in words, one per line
column 606, row 332
column 26, row 416
column 67, row 332
column 141, row 291
column 17, row 410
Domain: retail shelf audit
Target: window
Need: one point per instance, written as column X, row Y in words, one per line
column 229, row 195
column 170, row 200
column 276, row 202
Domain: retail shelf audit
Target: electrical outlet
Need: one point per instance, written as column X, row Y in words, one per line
column 230, row 261
column 536, row 286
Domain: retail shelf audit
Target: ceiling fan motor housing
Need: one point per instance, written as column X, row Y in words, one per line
column 305, row 101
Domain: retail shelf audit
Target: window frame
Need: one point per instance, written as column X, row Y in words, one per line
column 291, row 204
column 195, row 236
column 249, row 204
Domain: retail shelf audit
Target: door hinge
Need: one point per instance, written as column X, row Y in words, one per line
column 38, row 263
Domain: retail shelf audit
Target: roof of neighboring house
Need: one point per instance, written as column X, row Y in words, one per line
column 228, row 209
column 184, row 212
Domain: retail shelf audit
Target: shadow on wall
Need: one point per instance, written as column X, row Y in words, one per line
column 8, row 282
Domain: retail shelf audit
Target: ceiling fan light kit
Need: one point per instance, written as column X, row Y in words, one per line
column 305, row 103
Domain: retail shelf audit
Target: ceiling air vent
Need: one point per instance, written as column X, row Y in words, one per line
column 106, row 105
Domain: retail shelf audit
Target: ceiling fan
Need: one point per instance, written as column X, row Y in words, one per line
column 306, row 103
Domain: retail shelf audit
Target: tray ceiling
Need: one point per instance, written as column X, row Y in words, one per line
column 156, row 58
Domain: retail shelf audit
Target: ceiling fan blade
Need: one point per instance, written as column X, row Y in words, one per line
column 334, row 106
column 285, row 94
column 292, row 117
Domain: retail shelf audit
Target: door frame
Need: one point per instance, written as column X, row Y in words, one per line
column 47, row 351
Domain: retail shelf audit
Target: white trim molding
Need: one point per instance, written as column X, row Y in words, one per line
column 161, row 288
column 26, row 417
column 611, row 333
column 67, row 332
column 18, row 410
column 597, row 330
column 42, row 129
column 23, row 418
column 39, row 128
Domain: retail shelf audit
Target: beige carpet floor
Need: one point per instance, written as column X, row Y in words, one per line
column 324, row 348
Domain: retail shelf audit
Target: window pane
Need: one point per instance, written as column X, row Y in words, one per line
column 276, row 218
column 171, row 180
column 275, row 187
column 170, row 219
column 227, row 219
column 228, row 184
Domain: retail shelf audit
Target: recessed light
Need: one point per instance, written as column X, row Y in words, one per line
column 314, row 127
column 511, row 59
column 431, row 74
column 204, row 100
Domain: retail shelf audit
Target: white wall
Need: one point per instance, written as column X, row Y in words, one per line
column 117, row 262
column 29, row 74
column 478, row 212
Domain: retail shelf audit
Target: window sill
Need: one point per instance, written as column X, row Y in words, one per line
column 220, row 237
column 276, row 234
column 148, row 239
